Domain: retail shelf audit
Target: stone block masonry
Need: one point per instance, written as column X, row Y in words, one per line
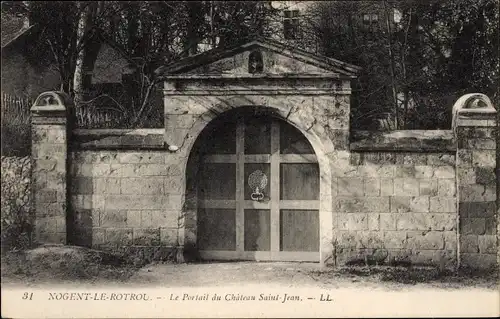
column 126, row 199
column 49, row 132
column 400, row 203
column 476, row 131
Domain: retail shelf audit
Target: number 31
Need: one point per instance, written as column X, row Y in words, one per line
column 27, row 296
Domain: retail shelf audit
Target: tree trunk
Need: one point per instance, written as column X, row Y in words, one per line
column 144, row 103
column 405, row 109
column 79, row 75
column 82, row 62
column 195, row 20
column 393, row 76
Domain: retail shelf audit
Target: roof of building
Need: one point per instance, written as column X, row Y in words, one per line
column 12, row 26
column 10, row 38
column 26, row 31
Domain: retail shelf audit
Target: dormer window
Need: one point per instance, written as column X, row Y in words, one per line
column 370, row 21
column 255, row 62
column 291, row 24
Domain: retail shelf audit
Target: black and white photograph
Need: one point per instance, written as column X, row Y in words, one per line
column 222, row 159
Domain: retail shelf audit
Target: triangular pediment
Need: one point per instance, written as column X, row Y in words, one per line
column 277, row 59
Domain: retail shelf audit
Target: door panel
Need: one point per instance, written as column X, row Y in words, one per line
column 257, row 230
column 220, row 139
column 218, row 181
column 299, row 230
column 257, row 135
column 293, row 142
column 299, row 181
column 216, row 229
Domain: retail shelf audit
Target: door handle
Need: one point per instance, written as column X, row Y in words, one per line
column 257, row 196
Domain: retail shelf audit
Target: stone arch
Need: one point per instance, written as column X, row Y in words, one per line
column 320, row 144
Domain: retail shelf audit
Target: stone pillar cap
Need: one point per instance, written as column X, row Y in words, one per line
column 473, row 105
column 52, row 101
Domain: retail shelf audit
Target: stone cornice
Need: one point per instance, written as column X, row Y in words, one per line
column 114, row 139
column 290, row 91
column 256, row 85
column 246, row 76
column 407, row 140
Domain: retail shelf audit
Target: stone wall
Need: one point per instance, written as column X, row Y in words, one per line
column 125, row 200
column 396, row 207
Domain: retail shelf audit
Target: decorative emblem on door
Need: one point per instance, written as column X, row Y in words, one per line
column 257, row 182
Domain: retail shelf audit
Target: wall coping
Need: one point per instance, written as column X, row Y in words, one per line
column 123, row 139
column 404, row 140
column 114, row 131
column 401, row 140
column 48, row 109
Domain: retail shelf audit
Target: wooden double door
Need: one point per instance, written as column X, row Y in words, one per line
column 258, row 191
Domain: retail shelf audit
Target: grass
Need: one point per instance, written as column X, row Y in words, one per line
column 65, row 263
column 413, row 275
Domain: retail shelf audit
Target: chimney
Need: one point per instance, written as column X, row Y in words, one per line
column 26, row 22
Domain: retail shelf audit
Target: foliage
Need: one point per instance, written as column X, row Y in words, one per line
column 16, row 220
column 16, row 136
column 413, row 68
column 149, row 33
column 16, row 126
column 157, row 33
column 452, row 49
column 440, row 50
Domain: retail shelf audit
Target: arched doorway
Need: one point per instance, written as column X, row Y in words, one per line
column 257, row 189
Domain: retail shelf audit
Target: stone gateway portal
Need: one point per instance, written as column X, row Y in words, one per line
column 258, row 161
column 257, row 189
